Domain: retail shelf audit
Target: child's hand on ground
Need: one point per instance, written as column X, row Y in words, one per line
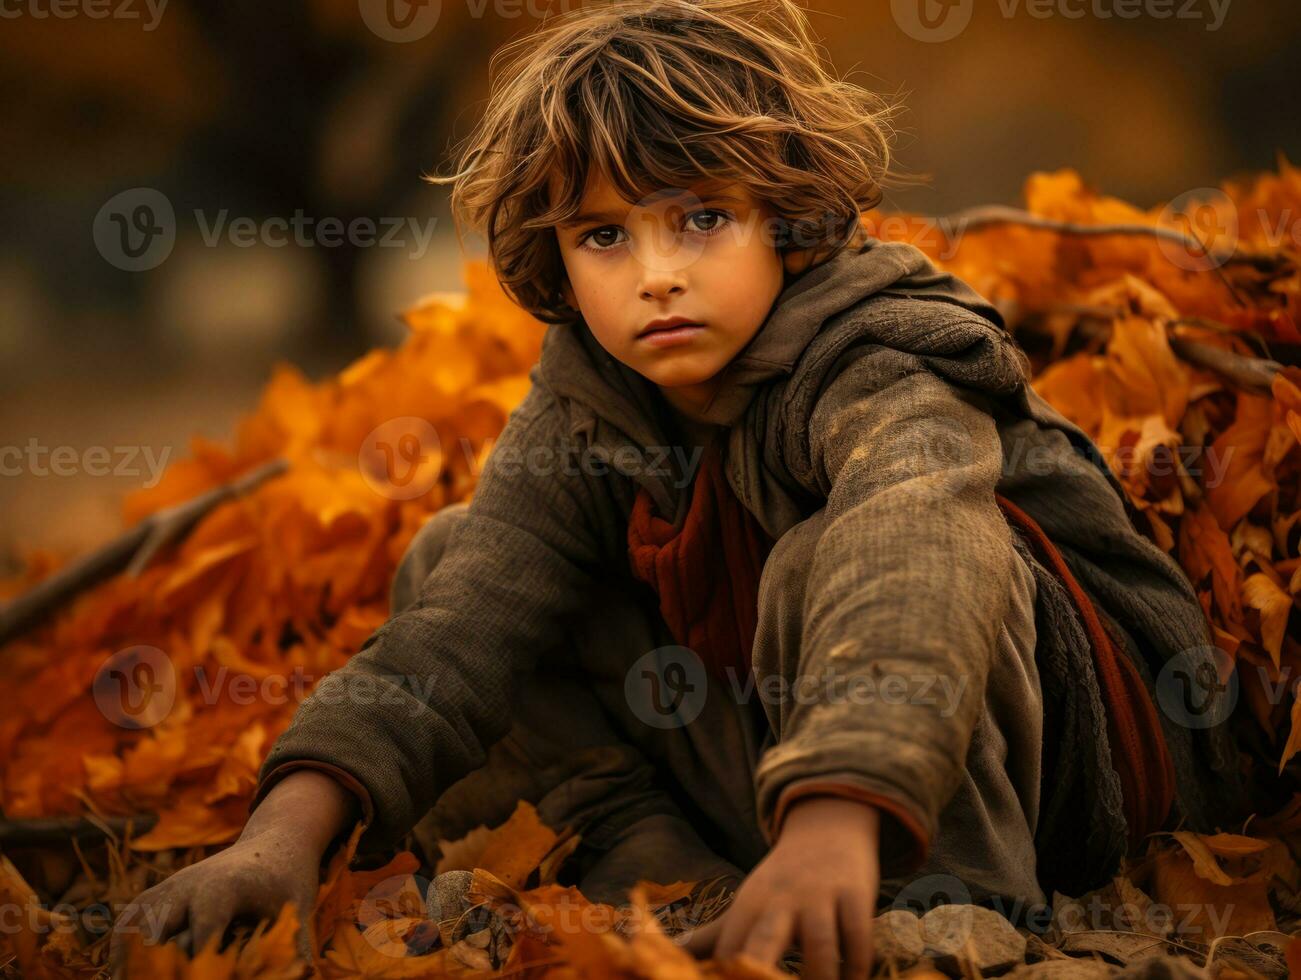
column 819, row 882
column 277, row 859
column 251, row 877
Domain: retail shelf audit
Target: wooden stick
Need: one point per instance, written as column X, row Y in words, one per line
column 132, row 550
column 997, row 214
column 53, row 830
column 1254, row 375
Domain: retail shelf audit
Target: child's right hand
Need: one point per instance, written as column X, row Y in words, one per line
column 818, row 883
column 253, row 877
column 277, row 859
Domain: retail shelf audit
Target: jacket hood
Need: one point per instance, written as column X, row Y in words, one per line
column 601, row 392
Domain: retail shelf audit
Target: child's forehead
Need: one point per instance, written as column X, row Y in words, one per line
column 601, row 195
column 599, row 186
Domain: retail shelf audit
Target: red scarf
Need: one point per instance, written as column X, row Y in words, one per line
column 706, row 572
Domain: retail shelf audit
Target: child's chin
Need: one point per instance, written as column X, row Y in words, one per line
column 677, row 379
column 679, row 367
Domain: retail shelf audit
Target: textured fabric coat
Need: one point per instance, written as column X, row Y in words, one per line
column 883, row 392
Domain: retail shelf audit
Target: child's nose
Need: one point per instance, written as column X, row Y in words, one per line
column 661, row 286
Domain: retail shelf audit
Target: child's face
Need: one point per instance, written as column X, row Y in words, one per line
column 705, row 253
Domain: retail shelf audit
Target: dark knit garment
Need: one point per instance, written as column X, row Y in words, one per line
column 1092, row 671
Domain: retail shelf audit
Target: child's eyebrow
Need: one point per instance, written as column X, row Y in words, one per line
column 593, row 216
column 582, row 219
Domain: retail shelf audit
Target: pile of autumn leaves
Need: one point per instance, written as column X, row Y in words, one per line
column 290, row 579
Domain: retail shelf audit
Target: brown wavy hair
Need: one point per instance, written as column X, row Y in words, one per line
column 661, row 93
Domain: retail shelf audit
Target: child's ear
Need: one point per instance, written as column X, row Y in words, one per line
column 797, row 260
column 567, row 291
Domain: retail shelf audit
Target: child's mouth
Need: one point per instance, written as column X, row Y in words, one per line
column 670, row 336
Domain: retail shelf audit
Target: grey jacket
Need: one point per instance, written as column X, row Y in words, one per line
column 878, row 388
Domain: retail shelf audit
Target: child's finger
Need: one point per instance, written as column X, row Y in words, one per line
column 699, row 942
column 306, row 941
column 209, row 917
column 740, row 920
column 820, row 943
column 770, row 934
column 154, row 915
column 855, row 917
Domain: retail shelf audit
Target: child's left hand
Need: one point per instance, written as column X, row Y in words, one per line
column 820, row 879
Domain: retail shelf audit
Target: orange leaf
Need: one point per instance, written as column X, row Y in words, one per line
column 518, row 846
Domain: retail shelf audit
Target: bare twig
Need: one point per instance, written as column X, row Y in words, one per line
column 997, row 214
column 132, row 550
column 1254, row 375
column 1223, row 328
column 48, row 830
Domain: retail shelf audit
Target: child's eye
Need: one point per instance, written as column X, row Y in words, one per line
column 719, row 219
column 603, row 245
column 715, row 219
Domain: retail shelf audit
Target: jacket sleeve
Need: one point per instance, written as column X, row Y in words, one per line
column 428, row 693
column 908, row 588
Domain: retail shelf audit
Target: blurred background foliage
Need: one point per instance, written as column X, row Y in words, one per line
column 266, row 108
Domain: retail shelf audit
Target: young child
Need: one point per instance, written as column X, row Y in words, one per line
column 781, row 572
